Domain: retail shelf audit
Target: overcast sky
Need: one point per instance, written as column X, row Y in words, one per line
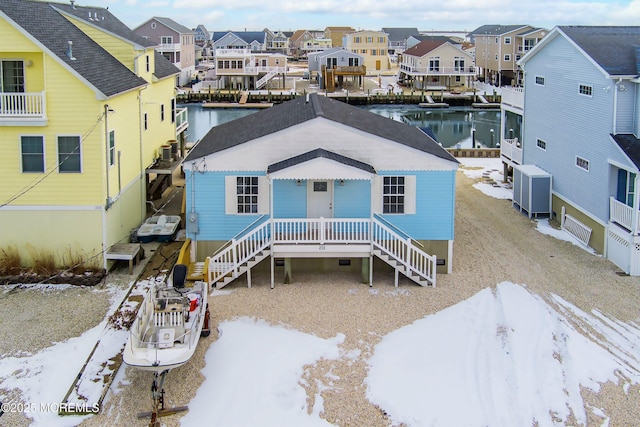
column 464, row 15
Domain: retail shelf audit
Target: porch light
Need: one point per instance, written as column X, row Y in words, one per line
column 342, row 182
column 299, row 182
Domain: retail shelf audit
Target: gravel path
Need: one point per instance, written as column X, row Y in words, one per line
column 493, row 243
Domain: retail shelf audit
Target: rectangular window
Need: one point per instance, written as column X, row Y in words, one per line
column 586, row 90
column 540, row 80
column 166, row 39
column 626, row 187
column 148, row 64
column 434, row 64
column 582, row 163
column 12, row 76
column 32, row 149
column 146, row 122
column 69, row 154
column 247, row 194
column 507, row 40
column 112, row 148
column 162, row 112
column 541, row 144
column 356, row 39
column 393, row 195
column 369, row 39
column 458, row 65
column 497, row 40
column 507, row 57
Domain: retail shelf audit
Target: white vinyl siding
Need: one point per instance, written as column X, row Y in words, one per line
column 231, row 195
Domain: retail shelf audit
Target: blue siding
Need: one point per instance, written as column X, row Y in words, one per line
column 571, row 124
column 352, row 200
column 290, row 199
column 435, row 206
column 213, row 222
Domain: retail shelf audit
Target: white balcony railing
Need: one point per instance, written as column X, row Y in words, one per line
column 513, row 96
column 169, row 47
column 511, row 149
column 623, row 215
column 468, row 70
column 182, row 120
column 22, row 105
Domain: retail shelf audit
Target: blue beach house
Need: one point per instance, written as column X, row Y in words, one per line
column 315, row 184
column 581, row 124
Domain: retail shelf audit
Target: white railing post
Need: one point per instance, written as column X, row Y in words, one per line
column 234, row 256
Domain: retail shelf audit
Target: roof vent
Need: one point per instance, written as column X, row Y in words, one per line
column 70, row 51
column 73, row 3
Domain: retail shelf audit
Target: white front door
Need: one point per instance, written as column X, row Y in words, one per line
column 320, row 199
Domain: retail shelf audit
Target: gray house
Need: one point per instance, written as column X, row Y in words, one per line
column 582, row 126
column 331, row 66
column 173, row 41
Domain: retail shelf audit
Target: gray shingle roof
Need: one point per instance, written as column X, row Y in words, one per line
column 496, row 29
column 317, row 153
column 104, row 19
column 164, row 67
column 613, row 48
column 630, row 145
column 93, row 63
column 246, row 36
column 178, row 28
column 294, row 112
column 401, row 34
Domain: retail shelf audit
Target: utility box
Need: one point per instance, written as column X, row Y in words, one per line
column 532, row 190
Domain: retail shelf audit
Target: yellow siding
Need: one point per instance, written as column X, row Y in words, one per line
column 358, row 43
column 19, row 43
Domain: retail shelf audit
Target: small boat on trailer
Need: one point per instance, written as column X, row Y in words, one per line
column 165, row 332
column 162, row 228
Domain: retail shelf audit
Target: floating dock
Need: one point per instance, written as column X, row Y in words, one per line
column 237, row 105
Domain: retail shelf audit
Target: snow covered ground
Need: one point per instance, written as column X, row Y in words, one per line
column 505, row 355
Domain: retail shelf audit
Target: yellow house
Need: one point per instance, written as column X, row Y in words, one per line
column 85, row 106
column 373, row 46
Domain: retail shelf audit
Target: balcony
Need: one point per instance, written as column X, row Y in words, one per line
column 169, row 47
column 513, row 97
column 624, row 216
column 182, row 120
column 439, row 71
column 511, row 151
column 23, row 109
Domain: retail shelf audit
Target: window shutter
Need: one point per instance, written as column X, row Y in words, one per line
column 263, row 195
column 376, row 195
column 410, row 194
column 230, row 196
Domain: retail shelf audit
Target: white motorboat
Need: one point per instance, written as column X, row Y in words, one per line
column 169, row 323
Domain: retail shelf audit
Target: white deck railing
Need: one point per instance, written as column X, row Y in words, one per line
column 623, row 215
column 513, row 96
column 322, row 231
column 511, row 149
column 182, row 119
column 22, row 105
column 440, row 71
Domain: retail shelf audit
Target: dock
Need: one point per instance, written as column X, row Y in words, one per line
column 432, row 104
column 484, row 103
column 237, row 104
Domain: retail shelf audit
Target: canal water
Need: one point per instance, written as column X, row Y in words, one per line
column 452, row 127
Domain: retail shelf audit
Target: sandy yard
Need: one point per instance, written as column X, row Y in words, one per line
column 493, row 243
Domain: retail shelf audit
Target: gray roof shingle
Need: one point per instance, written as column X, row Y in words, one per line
column 294, row 112
column 92, row 62
column 613, row 48
column 630, row 145
column 318, row 153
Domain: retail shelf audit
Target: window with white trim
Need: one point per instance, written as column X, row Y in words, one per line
column 586, row 90
column 541, row 144
column 393, row 195
column 507, row 57
column 582, row 163
column 32, row 152
column 507, row 40
column 247, row 194
column 540, row 80
column 166, row 39
column 434, row 64
column 112, row 148
column 12, row 76
column 69, row 154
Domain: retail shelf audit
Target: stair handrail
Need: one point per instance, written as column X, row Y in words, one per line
column 413, row 258
column 395, row 227
column 239, row 251
column 238, row 234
